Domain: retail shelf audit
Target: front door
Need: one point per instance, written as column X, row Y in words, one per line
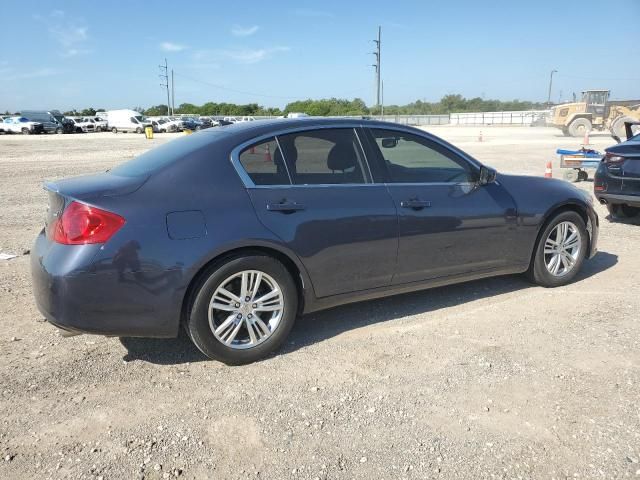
column 448, row 224
column 313, row 190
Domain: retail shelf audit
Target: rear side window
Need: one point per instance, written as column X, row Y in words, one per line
column 323, row 156
column 264, row 163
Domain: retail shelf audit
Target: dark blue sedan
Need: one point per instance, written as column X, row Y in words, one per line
column 235, row 231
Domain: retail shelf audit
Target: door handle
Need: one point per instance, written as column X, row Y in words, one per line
column 415, row 203
column 285, row 207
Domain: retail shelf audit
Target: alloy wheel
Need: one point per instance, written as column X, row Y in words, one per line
column 246, row 309
column 562, row 248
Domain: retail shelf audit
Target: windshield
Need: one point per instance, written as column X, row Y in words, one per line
column 140, row 118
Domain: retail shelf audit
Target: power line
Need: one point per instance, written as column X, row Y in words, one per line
column 164, row 74
column 378, row 43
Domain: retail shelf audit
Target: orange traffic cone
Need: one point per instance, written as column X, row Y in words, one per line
column 267, row 154
column 547, row 171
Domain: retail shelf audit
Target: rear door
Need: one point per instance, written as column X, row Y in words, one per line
column 448, row 225
column 313, row 189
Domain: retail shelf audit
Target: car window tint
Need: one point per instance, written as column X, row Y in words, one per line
column 412, row 159
column 264, row 165
column 324, row 156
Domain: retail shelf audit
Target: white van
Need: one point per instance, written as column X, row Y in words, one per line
column 126, row 121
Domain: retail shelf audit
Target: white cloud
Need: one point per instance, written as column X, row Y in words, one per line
column 253, row 55
column 42, row 72
column 239, row 31
column 172, row 47
column 69, row 33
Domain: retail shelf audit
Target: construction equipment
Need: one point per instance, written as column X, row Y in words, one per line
column 595, row 112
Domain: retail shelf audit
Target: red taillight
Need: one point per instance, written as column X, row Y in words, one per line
column 613, row 159
column 81, row 224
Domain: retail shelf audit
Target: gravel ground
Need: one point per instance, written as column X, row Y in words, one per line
column 489, row 379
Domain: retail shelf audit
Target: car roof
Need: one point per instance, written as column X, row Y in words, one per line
column 285, row 123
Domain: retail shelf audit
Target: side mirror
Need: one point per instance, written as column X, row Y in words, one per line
column 487, row 175
column 389, row 142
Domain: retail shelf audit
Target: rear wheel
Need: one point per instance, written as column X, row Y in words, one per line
column 114, row 130
column 59, row 130
column 560, row 250
column 25, row 131
column 622, row 211
column 618, row 128
column 243, row 309
column 579, row 127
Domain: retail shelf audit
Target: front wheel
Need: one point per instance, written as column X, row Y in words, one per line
column 138, row 130
column 560, row 251
column 58, row 131
column 114, row 130
column 579, row 127
column 243, row 309
column 26, row 131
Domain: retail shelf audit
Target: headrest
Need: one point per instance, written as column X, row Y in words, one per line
column 341, row 157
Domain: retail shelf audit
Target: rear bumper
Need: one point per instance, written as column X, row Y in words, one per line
column 615, row 198
column 76, row 298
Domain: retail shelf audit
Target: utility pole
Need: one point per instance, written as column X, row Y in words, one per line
column 550, row 84
column 173, row 95
column 378, row 43
column 164, row 75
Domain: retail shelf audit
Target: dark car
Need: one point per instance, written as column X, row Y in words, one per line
column 617, row 181
column 52, row 120
column 192, row 124
column 235, row 231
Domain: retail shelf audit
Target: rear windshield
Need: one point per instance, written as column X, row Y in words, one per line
column 170, row 152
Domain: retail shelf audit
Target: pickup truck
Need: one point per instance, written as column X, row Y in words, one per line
column 20, row 125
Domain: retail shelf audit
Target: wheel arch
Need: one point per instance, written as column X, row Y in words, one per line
column 296, row 270
column 555, row 211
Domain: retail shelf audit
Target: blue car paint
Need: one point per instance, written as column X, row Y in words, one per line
column 345, row 246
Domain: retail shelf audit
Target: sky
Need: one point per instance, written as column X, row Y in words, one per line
column 73, row 54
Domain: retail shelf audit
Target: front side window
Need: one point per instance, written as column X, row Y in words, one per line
column 413, row 159
column 323, row 156
column 264, row 164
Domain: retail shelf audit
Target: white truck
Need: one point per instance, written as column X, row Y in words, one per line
column 126, row 121
column 20, row 125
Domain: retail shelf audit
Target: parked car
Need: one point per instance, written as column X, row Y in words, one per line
column 20, row 125
column 101, row 124
column 617, row 180
column 82, row 125
column 192, row 124
column 52, row 120
column 245, row 119
column 165, row 125
column 307, row 214
column 230, row 119
column 126, row 121
column 206, row 122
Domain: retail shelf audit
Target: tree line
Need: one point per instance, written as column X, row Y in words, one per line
column 337, row 106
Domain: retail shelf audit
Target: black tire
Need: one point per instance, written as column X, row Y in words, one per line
column 138, row 130
column 538, row 272
column 583, row 176
column 617, row 210
column 59, row 131
column 618, row 128
column 198, row 319
column 25, row 131
column 114, row 130
column 579, row 127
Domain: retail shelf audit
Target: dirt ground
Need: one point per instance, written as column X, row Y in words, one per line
column 489, row 379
